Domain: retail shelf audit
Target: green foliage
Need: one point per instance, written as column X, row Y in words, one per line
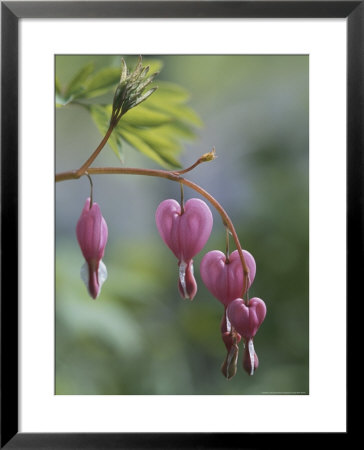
column 78, row 84
column 156, row 129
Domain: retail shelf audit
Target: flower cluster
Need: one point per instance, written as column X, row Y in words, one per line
column 186, row 230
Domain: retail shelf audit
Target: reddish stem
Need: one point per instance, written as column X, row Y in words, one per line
column 173, row 177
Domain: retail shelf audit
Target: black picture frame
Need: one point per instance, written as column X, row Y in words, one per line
column 11, row 13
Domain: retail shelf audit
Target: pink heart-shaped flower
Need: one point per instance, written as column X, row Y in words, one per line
column 187, row 233
column 225, row 280
column 92, row 233
column 246, row 319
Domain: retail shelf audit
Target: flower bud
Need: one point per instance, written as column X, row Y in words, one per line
column 210, row 156
column 91, row 231
column 130, row 92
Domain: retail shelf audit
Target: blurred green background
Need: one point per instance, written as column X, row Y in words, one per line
column 139, row 336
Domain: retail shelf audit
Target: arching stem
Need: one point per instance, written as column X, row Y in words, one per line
column 173, row 177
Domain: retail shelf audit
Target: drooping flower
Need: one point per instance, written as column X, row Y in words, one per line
column 92, row 232
column 225, row 279
column 246, row 320
column 185, row 233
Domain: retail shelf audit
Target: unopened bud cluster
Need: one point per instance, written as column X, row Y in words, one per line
column 130, row 90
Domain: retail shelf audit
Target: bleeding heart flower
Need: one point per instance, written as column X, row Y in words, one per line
column 246, row 319
column 225, row 279
column 91, row 231
column 185, row 233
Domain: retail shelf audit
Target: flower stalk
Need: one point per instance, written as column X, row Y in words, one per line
column 173, row 176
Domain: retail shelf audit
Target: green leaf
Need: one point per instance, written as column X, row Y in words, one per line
column 58, row 86
column 61, row 101
column 145, row 117
column 78, row 83
column 102, row 82
column 169, row 99
column 137, row 142
column 155, row 138
column 101, row 117
column 155, row 128
column 155, row 145
column 179, row 112
column 172, row 93
column 167, row 147
column 172, row 162
column 178, row 129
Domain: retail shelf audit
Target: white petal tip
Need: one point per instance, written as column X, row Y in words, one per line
column 102, row 275
column 252, row 355
column 182, row 277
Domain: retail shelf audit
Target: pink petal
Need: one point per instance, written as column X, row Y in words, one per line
column 225, row 280
column 246, row 319
column 185, row 234
column 167, row 220
column 92, row 232
column 93, row 282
